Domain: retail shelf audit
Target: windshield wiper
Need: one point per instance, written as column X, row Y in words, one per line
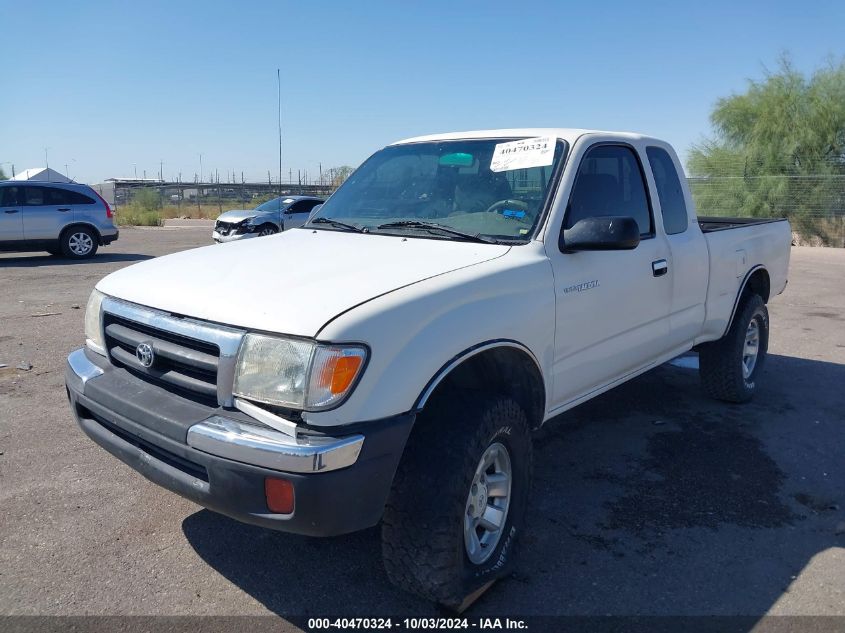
column 434, row 227
column 338, row 224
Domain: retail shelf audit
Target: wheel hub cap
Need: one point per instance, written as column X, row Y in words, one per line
column 487, row 503
column 751, row 349
column 80, row 243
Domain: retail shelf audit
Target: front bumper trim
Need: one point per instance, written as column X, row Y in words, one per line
column 256, row 446
column 231, row 237
column 82, row 367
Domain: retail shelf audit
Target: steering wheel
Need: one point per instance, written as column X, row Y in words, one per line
column 497, row 207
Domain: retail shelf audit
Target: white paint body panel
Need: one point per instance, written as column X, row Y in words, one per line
column 291, row 283
column 420, row 303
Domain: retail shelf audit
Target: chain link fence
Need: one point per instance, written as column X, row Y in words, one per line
column 809, row 192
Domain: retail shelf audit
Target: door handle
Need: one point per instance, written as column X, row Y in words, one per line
column 64, row 209
column 11, row 210
column 659, row 267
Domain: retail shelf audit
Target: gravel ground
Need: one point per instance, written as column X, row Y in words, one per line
column 649, row 500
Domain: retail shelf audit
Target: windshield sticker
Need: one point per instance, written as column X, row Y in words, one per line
column 529, row 152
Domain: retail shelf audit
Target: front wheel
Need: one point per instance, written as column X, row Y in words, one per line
column 458, row 499
column 267, row 229
column 729, row 367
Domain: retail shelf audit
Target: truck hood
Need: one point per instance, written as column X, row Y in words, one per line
column 236, row 215
column 291, row 283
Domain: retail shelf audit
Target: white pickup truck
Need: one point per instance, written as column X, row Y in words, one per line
column 388, row 361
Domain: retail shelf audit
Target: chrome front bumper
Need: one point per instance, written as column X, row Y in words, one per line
column 232, row 439
column 270, row 449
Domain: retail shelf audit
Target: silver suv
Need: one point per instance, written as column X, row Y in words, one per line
column 61, row 218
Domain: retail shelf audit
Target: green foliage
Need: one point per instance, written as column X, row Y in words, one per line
column 147, row 200
column 3, row 175
column 132, row 216
column 337, row 175
column 778, row 150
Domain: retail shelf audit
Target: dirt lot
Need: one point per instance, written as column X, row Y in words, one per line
column 650, row 499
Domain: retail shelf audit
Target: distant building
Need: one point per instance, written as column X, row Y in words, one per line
column 45, row 174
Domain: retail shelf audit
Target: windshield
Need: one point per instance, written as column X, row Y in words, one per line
column 496, row 188
column 273, row 205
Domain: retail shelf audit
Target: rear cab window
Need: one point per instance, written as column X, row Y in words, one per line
column 673, row 207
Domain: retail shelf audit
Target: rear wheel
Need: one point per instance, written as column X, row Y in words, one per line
column 730, row 366
column 78, row 242
column 458, row 499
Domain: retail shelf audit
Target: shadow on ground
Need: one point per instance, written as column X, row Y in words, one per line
column 649, row 500
column 37, row 260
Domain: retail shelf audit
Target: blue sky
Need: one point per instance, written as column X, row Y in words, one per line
column 106, row 86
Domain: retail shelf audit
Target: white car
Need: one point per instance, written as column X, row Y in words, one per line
column 273, row 216
column 388, row 361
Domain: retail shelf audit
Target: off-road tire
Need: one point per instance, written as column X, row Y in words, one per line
column 720, row 362
column 72, row 236
column 422, row 531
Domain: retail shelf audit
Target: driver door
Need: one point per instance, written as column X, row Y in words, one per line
column 11, row 217
column 297, row 213
column 612, row 306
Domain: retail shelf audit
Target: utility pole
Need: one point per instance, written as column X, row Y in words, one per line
column 161, row 170
column 200, row 167
column 279, row 84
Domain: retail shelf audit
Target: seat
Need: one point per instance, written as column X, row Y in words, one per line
column 595, row 195
column 477, row 192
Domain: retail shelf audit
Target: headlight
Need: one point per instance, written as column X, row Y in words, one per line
column 93, row 332
column 296, row 373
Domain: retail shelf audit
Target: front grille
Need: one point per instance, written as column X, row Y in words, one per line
column 180, row 364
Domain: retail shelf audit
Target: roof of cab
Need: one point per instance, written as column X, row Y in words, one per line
column 569, row 135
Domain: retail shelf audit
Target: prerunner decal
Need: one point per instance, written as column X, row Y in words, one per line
column 585, row 285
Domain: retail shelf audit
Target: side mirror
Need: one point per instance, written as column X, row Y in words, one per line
column 610, row 233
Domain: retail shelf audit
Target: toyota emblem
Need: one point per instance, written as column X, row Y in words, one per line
column 145, row 354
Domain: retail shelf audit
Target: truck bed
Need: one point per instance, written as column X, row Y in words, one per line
column 712, row 223
column 737, row 246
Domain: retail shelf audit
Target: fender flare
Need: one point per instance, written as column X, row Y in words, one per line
column 468, row 353
column 739, row 294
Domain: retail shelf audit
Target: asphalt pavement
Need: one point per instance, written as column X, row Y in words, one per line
column 649, row 500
